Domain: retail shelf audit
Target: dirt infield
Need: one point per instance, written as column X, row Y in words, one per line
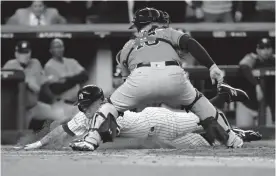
column 254, row 159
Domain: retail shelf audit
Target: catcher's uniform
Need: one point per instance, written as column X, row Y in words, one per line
column 153, row 74
column 156, row 75
column 176, row 128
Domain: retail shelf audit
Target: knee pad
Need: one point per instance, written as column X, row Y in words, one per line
column 190, row 106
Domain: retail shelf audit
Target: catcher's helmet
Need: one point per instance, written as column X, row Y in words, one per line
column 88, row 95
column 144, row 17
column 164, row 17
column 264, row 43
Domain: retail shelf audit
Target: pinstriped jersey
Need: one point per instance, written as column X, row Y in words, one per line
column 174, row 127
column 161, row 122
column 155, row 46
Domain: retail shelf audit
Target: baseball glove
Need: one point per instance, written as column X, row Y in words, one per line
column 248, row 135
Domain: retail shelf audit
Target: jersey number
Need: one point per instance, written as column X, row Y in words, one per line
column 148, row 43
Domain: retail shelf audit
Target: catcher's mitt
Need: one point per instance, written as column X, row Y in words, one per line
column 248, row 135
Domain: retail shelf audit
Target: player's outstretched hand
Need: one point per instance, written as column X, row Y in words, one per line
column 216, row 74
column 35, row 145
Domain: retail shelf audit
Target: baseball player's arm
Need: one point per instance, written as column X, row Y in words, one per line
column 246, row 65
column 75, row 127
column 186, row 42
column 58, row 18
column 125, row 71
column 35, row 76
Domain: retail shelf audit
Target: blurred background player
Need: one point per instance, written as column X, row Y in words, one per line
column 68, row 74
column 35, row 15
column 34, row 79
column 263, row 58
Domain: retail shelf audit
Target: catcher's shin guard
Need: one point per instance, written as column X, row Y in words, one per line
column 214, row 131
column 190, row 106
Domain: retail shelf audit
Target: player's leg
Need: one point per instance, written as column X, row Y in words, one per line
column 214, row 123
column 227, row 93
column 43, row 111
column 167, row 124
column 178, row 89
column 77, row 126
column 190, row 140
column 134, row 125
column 211, row 121
column 69, row 109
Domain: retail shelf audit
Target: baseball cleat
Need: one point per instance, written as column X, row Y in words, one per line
column 81, row 145
column 248, row 135
column 234, row 93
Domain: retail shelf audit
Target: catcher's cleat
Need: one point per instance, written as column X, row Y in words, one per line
column 248, row 135
column 82, row 145
column 233, row 93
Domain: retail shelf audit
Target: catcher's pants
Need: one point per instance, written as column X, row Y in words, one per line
column 158, row 83
column 162, row 84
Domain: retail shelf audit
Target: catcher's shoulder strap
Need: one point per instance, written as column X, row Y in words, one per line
column 118, row 59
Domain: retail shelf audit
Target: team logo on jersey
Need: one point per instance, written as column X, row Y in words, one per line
column 80, row 96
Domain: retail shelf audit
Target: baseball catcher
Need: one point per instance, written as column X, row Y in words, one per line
column 151, row 67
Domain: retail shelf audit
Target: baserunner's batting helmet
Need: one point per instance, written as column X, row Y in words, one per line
column 88, row 95
column 144, row 17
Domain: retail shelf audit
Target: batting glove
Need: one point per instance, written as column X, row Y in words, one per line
column 216, row 74
column 35, row 145
column 234, row 140
column 82, row 145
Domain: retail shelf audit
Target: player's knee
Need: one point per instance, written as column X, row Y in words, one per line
column 114, row 109
column 190, row 106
